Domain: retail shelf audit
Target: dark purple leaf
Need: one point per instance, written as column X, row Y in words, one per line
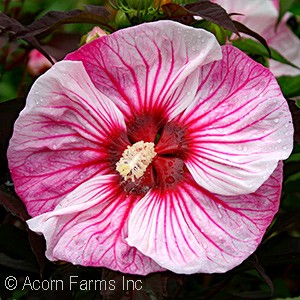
column 9, row 112
column 97, row 10
column 244, row 29
column 218, row 286
column 38, row 247
column 8, row 24
column 283, row 221
column 52, row 19
column 13, row 204
column 14, row 243
column 205, row 9
column 261, row 271
column 212, row 12
column 36, row 44
column 16, row 207
column 11, row 26
column 280, row 249
column 178, row 13
column 62, row 43
column 17, row 264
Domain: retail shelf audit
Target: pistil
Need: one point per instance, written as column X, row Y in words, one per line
column 135, row 160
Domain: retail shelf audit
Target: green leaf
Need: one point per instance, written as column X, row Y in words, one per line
column 295, row 10
column 290, row 85
column 217, row 30
column 287, row 5
column 254, row 48
column 18, row 294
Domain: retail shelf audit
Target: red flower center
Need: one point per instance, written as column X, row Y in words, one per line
column 167, row 167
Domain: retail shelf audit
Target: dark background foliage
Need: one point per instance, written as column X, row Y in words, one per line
column 56, row 28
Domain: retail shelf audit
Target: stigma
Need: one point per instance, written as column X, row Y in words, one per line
column 135, row 160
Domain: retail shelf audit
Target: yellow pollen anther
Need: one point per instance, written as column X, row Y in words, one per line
column 135, row 160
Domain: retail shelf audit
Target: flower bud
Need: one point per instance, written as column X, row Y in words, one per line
column 37, row 63
column 95, row 33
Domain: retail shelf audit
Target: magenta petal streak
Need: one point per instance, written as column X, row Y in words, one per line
column 143, row 70
column 191, row 230
column 68, row 124
column 239, row 125
column 89, row 228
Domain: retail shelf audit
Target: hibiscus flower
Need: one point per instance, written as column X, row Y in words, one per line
column 261, row 16
column 152, row 148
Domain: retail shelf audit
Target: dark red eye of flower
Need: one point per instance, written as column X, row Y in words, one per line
column 156, row 160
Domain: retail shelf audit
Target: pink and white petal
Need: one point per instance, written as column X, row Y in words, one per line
column 261, row 16
column 190, row 230
column 89, row 228
column 62, row 136
column 286, row 43
column 238, row 127
column 149, row 67
column 276, row 4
